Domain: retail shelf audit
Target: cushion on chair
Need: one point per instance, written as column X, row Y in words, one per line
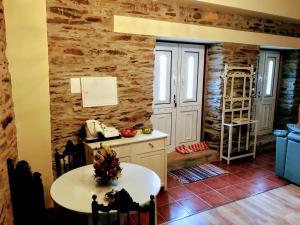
column 280, row 133
column 293, row 128
column 294, row 137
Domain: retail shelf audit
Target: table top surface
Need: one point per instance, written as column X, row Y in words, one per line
column 74, row 189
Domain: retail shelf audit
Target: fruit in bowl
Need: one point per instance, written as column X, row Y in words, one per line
column 147, row 130
column 128, row 132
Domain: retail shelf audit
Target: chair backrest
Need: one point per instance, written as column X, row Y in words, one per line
column 27, row 194
column 72, row 157
column 123, row 205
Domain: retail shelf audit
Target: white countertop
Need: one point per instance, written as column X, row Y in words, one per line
column 139, row 137
column 74, row 190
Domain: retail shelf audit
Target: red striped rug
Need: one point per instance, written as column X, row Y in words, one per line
column 195, row 173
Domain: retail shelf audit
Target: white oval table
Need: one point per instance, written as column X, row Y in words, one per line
column 74, row 189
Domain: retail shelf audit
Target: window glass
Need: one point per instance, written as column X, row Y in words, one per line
column 190, row 76
column 162, row 77
column 270, row 77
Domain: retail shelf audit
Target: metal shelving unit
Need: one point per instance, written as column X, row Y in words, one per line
column 236, row 110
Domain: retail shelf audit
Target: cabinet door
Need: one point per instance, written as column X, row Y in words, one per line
column 153, row 160
column 122, row 150
column 124, row 159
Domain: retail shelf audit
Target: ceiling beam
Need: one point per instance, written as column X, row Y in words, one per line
column 287, row 10
column 142, row 26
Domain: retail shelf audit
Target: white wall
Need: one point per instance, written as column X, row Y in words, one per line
column 283, row 8
column 27, row 53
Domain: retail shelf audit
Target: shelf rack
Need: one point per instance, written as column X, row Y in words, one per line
column 238, row 83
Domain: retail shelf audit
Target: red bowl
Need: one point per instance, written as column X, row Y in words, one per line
column 128, row 132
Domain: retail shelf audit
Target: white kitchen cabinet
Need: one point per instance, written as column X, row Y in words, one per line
column 152, row 160
column 148, row 150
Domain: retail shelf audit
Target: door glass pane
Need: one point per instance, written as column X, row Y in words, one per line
column 270, row 77
column 190, row 76
column 162, row 96
column 162, row 77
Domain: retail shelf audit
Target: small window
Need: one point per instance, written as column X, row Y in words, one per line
column 162, row 78
column 270, row 77
column 190, row 76
column 162, row 95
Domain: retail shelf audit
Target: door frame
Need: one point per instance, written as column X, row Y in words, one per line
column 199, row 93
column 259, row 87
column 176, row 78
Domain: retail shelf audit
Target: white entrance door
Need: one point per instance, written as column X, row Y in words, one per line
column 178, row 85
column 266, row 90
column 164, row 91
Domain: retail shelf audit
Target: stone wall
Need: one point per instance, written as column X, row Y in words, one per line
column 219, row 55
column 8, row 144
column 213, row 93
column 81, row 43
column 289, row 90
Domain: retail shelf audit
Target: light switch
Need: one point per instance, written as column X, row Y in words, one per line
column 75, row 85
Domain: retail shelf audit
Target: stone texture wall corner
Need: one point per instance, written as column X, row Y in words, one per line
column 8, row 141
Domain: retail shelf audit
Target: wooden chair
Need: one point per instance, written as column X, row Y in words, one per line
column 72, row 157
column 122, row 205
column 27, row 194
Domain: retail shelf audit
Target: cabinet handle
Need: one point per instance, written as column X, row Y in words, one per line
column 151, row 145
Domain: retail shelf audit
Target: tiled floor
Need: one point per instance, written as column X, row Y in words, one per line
column 246, row 177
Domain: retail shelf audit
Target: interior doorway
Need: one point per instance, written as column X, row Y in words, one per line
column 177, row 92
column 266, row 90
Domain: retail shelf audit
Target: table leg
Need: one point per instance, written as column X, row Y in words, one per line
column 90, row 219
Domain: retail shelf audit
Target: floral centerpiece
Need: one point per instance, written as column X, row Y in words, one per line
column 107, row 165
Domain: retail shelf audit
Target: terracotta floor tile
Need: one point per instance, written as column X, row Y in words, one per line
column 215, row 182
column 265, row 184
column 163, row 198
column 172, row 211
column 194, row 205
column 246, row 175
column 172, row 182
column 232, row 179
column 269, row 166
column 234, row 168
column 250, row 165
column 198, row 187
column 252, row 174
column 214, row 198
column 233, row 193
column 144, row 219
column 277, row 180
column 221, row 164
column 160, row 219
column 263, row 172
column 249, row 187
column 180, row 192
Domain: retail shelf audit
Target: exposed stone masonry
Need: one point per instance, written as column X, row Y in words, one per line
column 8, row 145
column 218, row 56
column 81, row 43
column 289, row 90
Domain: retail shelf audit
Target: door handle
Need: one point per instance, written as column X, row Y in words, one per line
column 258, row 94
column 174, row 100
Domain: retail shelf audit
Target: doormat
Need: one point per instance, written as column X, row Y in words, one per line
column 195, row 173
